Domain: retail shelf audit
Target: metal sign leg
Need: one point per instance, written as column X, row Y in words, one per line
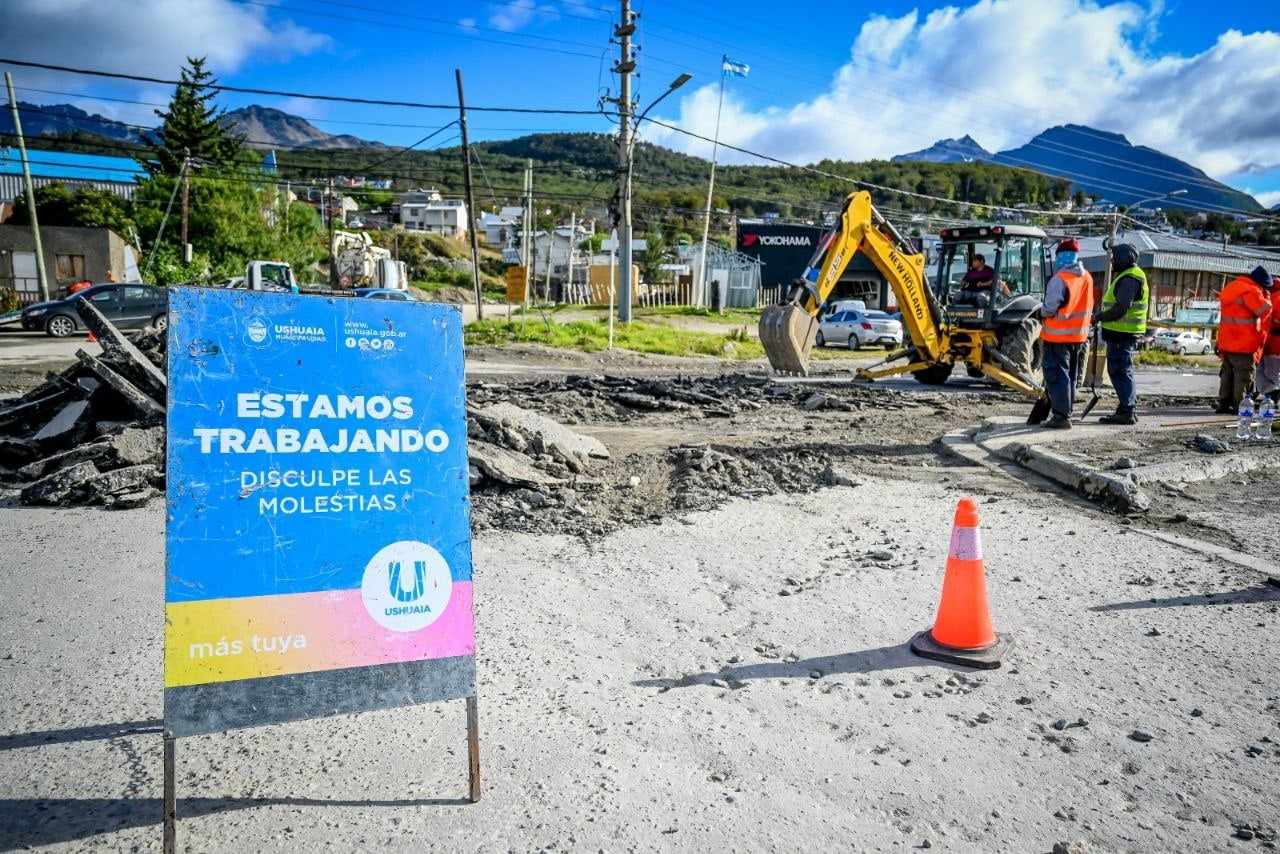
column 170, row 799
column 473, row 746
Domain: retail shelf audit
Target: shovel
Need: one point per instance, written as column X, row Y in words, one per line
column 1040, row 411
column 1094, row 370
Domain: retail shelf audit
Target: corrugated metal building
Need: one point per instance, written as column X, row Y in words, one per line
column 1180, row 270
column 117, row 175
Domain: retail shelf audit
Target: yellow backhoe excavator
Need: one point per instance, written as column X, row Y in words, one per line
column 993, row 328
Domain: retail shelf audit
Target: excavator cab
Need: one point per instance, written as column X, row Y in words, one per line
column 1008, row 302
column 1016, row 258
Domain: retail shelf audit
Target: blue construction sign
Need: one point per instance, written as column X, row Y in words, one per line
column 318, row 535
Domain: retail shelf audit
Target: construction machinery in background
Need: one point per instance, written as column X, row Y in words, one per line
column 363, row 265
column 992, row 327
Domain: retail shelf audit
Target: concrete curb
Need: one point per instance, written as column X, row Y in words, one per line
column 966, row 445
column 1209, row 468
column 1117, row 492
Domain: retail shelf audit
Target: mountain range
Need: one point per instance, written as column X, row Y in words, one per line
column 963, row 150
column 1101, row 164
column 262, row 127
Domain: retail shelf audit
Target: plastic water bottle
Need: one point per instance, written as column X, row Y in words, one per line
column 1266, row 419
column 1246, row 417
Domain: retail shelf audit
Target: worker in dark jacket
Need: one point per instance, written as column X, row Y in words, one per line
column 1123, row 315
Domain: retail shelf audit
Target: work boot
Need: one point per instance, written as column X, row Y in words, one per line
column 1120, row 416
column 1057, row 422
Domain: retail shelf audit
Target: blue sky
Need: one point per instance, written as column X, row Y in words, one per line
column 1197, row 79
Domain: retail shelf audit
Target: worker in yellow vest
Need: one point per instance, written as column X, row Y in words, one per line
column 1123, row 315
column 1067, row 312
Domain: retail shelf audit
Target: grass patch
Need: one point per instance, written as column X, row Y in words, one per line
column 593, row 336
column 1166, row 359
column 737, row 316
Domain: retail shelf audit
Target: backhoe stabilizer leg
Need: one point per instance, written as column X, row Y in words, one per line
column 1012, row 381
column 873, row 374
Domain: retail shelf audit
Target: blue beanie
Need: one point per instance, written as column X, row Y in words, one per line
column 1261, row 276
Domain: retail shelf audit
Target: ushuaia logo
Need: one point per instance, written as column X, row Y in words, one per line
column 298, row 332
column 256, row 330
column 399, row 593
column 406, row 586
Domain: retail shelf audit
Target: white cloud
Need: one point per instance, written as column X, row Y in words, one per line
column 467, row 23
column 1268, row 199
column 517, row 14
column 1003, row 70
column 150, row 37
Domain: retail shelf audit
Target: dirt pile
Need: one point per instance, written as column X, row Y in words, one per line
column 580, row 399
column 91, row 434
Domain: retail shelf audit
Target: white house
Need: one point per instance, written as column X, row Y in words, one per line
column 446, row 216
column 498, row 230
column 555, row 247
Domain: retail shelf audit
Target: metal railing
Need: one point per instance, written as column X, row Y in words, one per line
column 25, row 288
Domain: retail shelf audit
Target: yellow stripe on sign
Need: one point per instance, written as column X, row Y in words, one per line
column 222, row 640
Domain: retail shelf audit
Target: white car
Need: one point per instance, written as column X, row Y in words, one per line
column 1182, row 343
column 856, row 328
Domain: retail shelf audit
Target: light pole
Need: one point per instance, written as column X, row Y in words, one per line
column 1181, row 192
column 624, row 301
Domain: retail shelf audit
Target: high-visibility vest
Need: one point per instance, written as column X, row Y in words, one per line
column 1070, row 325
column 1134, row 321
column 1272, row 345
column 1244, row 305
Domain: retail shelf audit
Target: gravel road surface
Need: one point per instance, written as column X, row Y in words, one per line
column 735, row 679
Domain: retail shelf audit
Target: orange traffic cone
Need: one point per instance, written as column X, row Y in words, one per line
column 962, row 632
column 91, row 337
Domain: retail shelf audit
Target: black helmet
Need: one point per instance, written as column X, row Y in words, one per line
column 1124, row 256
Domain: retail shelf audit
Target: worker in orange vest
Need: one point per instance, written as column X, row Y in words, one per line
column 1243, row 324
column 1067, row 311
column 1267, row 378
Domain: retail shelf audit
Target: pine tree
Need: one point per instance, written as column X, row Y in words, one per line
column 192, row 124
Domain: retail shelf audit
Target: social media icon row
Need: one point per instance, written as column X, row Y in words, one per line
column 371, row 343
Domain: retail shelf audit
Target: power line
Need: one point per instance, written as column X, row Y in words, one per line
column 246, row 90
column 862, row 183
column 314, row 120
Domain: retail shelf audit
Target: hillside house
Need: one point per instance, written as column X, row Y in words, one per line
column 444, row 216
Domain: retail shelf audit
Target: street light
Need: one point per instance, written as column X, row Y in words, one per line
column 624, row 303
column 1136, row 205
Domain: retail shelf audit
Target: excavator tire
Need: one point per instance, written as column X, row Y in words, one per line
column 935, row 374
column 1021, row 345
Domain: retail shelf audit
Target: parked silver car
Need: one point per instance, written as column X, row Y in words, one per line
column 855, row 328
column 1182, row 343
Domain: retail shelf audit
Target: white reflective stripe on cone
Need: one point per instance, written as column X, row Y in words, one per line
column 966, row 543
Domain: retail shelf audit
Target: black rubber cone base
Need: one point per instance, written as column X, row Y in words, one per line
column 924, row 646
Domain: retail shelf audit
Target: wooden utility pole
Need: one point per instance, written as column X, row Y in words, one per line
column 526, row 250
column 471, row 199
column 186, row 205
column 626, row 65
column 41, row 273
column 333, row 253
column 568, row 277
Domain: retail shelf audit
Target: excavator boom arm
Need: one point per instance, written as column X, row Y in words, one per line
column 787, row 331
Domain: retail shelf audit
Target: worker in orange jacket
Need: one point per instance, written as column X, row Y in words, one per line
column 1267, row 378
column 1242, row 331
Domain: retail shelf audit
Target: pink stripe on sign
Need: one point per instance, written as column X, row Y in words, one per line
column 966, row 543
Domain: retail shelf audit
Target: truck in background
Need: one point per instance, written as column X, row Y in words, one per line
column 362, row 265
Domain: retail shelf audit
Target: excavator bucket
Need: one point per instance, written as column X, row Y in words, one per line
column 787, row 333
